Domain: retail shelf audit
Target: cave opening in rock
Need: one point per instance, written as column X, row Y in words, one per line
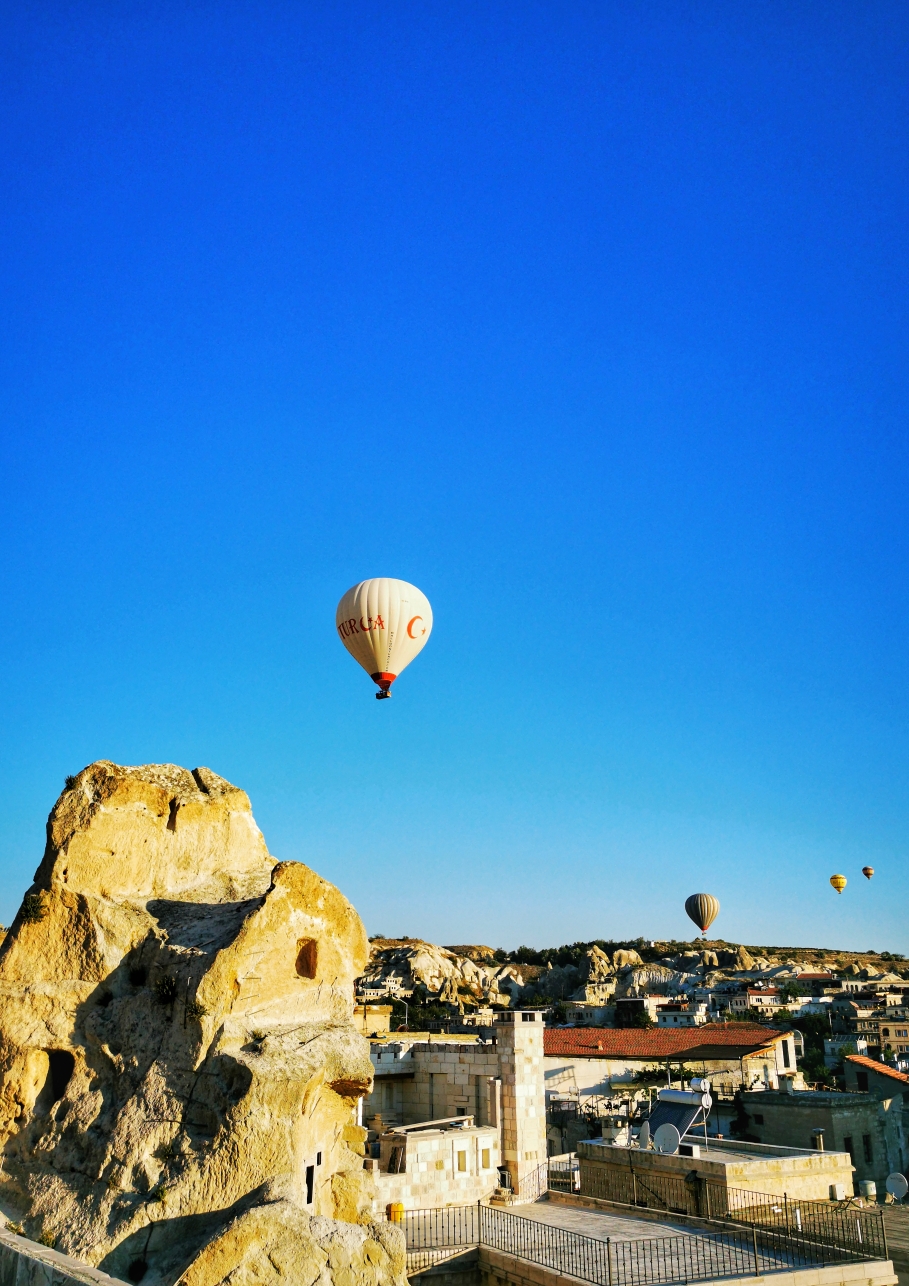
column 61, row 1064
column 307, row 952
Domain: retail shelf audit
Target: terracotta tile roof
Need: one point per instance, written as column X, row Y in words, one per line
column 880, row 1068
column 728, row 1039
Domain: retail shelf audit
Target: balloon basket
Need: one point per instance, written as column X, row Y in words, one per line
column 382, row 696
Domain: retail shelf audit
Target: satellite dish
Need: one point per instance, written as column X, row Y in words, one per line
column 644, row 1136
column 667, row 1139
column 897, row 1186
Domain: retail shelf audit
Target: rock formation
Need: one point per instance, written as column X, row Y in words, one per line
column 179, row 1069
column 646, row 980
column 599, row 966
column 442, row 973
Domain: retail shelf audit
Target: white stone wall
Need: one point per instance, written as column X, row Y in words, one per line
column 519, row 1039
column 452, row 1167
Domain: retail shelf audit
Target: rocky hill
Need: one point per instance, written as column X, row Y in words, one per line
column 467, row 977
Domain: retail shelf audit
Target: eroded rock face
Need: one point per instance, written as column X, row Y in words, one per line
column 598, row 966
column 179, row 1068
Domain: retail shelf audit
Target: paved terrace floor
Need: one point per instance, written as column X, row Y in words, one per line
column 663, row 1259
column 601, row 1224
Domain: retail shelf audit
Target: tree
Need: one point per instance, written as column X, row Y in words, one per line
column 815, row 1028
column 789, row 990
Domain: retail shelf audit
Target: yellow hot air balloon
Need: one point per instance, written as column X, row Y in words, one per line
column 867, row 871
column 703, row 908
column 839, row 882
column 384, row 624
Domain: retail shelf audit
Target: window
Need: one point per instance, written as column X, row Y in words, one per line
column 307, row 955
column 60, row 1069
column 484, row 1158
column 867, row 1149
column 902, row 1032
column 885, row 1031
column 758, row 1118
column 847, row 1144
column 462, row 1161
column 861, row 1079
column 310, row 1183
column 786, row 1053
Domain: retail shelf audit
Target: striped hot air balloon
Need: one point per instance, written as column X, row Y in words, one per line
column 839, row 882
column 867, row 871
column 703, row 908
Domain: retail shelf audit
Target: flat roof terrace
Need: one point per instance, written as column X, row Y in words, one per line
column 801, row 1173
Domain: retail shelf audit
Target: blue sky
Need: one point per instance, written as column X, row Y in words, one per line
column 588, row 319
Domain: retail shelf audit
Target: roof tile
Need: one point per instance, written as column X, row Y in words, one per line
column 657, row 1042
column 881, row 1068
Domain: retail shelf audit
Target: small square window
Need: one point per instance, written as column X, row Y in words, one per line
column 758, row 1118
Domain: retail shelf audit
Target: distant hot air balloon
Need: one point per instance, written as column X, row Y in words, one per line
column 384, row 623
column 839, row 882
column 703, row 908
column 867, row 871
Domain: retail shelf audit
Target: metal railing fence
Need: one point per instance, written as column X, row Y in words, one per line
column 842, row 1225
column 435, row 1235
column 736, row 1251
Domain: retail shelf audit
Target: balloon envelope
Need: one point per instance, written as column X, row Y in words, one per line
column 867, row 871
column 384, row 623
column 839, row 882
column 703, row 908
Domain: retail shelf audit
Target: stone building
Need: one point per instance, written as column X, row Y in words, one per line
column 867, row 1126
column 498, row 1083
column 444, row 1163
column 803, row 1173
column 599, row 1061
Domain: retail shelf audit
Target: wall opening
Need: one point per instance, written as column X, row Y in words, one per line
column 61, row 1069
column 310, row 1183
column 307, row 954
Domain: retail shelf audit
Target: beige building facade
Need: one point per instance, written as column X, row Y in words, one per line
column 497, row 1084
column 867, row 1128
column 803, row 1174
column 450, row 1164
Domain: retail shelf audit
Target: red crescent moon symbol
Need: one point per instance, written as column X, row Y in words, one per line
column 410, row 625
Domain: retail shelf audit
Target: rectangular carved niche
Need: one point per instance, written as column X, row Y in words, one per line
column 307, row 953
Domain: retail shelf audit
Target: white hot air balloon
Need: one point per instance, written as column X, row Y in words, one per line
column 384, row 624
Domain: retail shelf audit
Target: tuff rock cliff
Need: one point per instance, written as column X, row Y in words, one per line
column 179, row 1068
